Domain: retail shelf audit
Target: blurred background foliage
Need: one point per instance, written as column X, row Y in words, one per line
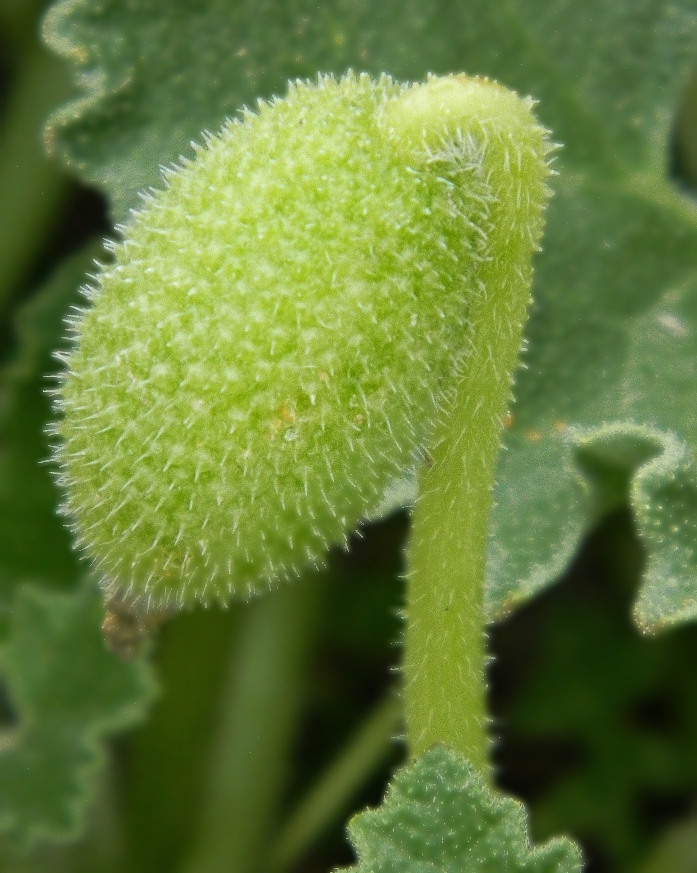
column 240, row 740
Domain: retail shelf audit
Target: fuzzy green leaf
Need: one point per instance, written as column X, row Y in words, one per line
column 607, row 75
column 589, row 364
column 64, row 689
column 439, row 815
column 620, row 242
column 67, row 692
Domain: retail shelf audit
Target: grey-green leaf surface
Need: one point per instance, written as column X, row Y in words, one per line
column 611, row 336
column 67, row 692
column 439, row 817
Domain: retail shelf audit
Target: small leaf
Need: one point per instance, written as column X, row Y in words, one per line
column 438, row 815
column 67, row 692
column 622, row 461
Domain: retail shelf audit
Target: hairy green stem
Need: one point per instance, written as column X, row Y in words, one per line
column 444, row 659
column 329, row 797
column 257, row 724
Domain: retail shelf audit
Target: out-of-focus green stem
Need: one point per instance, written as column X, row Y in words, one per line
column 32, row 188
column 686, row 131
column 258, row 718
column 19, row 21
column 676, row 851
column 329, row 797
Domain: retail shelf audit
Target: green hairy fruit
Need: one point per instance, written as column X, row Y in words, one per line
column 281, row 330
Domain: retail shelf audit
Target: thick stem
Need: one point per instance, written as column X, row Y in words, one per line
column 258, row 720
column 330, row 796
column 444, row 684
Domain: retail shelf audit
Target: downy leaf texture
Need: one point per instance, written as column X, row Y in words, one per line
column 67, row 692
column 439, row 817
column 64, row 690
column 603, row 403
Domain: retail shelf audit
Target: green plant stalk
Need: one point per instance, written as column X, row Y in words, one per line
column 161, row 792
column 444, row 685
column 330, row 796
column 257, row 724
